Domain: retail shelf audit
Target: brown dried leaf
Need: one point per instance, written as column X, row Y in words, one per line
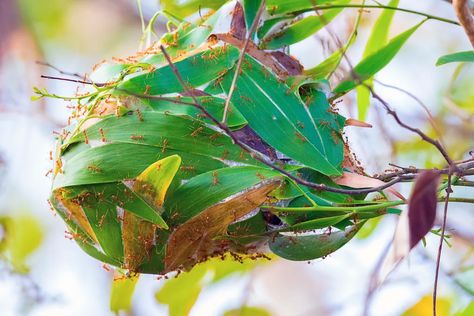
column 194, row 241
column 260, row 55
column 75, row 212
column 292, row 66
column 357, row 123
column 422, row 205
column 237, row 26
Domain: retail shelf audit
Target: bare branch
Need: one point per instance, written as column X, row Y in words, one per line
column 465, row 17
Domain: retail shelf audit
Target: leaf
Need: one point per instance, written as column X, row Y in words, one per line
column 237, row 24
column 422, row 205
column 194, row 241
column 414, row 224
column 180, row 293
column 247, row 311
column 372, row 64
column 188, row 7
column 466, row 57
column 301, row 29
column 250, row 10
column 286, row 6
column 378, row 38
column 318, row 223
column 425, row 307
column 281, row 119
column 309, row 247
column 152, row 185
column 214, row 105
column 122, row 293
column 196, row 70
column 210, row 188
column 121, row 161
column 22, row 235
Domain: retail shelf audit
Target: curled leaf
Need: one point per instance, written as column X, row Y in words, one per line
column 422, row 205
column 194, row 241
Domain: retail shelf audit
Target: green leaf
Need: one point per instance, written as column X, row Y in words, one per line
column 214, row 105
column 309, row 247
column 281, row 119
column 196, row 70
column 113, row 193
column 271, row 24
column 23, row 234
column 152, row 185
column 122, row 293
column 378, row 38
column 247, row 311
column 316, row 223
column 250, row 11
column 212, row 187
column 369, row 227
column 102, row 216
column 286, row 6
column 83, row 240
column 120, row 161
column 301, row 29
column 188, row 7
column 466, row 57
column 372, row 64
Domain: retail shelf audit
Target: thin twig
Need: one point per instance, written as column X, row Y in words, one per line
column 62, row 72
column 441, row 241
column 252, row 29
column 423, row 136
column 361, row 6
column 74, row 80
column 425, row 108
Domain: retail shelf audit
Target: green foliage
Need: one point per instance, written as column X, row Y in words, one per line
column 378, row 38
column 373, row 63
column 460, row 57
column 148, row 182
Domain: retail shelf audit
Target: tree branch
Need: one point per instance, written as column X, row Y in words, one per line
column 465, row 17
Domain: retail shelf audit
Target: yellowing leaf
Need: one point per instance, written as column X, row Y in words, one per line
column 424, row 307
column 180, row 293
column 153, row 183
column 138, row 234
column 122, row 293
column 247, row 311
column 23, row 235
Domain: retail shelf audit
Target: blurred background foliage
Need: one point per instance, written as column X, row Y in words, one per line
column 42, row 273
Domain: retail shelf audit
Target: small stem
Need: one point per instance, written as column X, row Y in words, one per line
column 441, row 241
column 335, row 6
column 336, row 208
